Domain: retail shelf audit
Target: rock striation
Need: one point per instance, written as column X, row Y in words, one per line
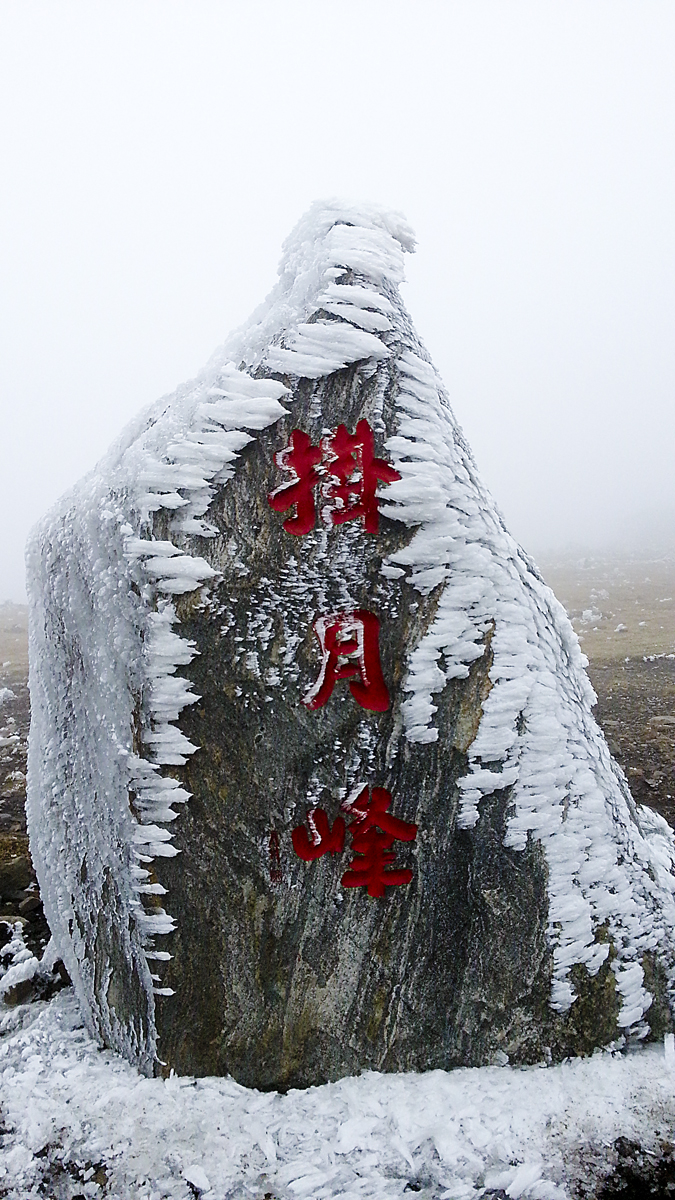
column 314, row 783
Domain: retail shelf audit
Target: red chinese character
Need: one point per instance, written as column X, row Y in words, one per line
column 301, row 458
column 350, row 460
column 347, row 470
column 373, row 833
column 323, row 839
column 350, row 647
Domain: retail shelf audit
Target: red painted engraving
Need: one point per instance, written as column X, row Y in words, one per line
column 323, row 839
column 301, row 458
column 373, row 833
column 350, row 647
column 351, row 462
column 345, row 467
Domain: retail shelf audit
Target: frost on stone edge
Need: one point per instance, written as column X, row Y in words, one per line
column 181, row 479
column 537, row 736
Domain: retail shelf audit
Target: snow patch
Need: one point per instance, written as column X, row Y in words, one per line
column 534, row 1132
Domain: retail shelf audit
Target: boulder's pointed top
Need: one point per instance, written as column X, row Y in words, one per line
column 334, row 239
column 308, row 238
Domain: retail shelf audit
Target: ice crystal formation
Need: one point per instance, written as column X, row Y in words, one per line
column 177, row 742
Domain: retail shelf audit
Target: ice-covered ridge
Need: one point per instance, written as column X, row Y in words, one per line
column 537, row 734
column 362, row 306
column 205, row 439
column 94, row 563
column 190, row 447
column 176, row 468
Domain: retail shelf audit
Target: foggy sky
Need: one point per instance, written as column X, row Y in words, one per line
column 154, row 155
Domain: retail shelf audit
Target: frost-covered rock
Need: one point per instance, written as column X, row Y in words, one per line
column 314, row 782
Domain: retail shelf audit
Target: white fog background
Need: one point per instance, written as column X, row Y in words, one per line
column 154, row 155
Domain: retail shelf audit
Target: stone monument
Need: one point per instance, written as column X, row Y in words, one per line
column 314, row 781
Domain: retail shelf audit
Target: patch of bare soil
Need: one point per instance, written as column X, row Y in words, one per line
column 19, row 896
column 636, row 708
column 14, row 716
column 624, row 613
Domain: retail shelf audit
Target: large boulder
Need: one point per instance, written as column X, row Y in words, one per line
column 314, row 781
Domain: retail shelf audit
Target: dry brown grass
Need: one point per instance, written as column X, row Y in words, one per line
column 602, row 594
column 631, row 669
column 13, row 644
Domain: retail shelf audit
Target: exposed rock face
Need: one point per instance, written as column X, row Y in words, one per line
column 286, row 603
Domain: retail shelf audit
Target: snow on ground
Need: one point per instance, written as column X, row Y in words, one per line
column 79, row 1120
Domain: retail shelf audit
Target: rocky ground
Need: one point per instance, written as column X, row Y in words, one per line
column 19, row 895
column 624, row 613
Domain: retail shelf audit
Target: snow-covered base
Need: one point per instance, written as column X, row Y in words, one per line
column 68, row 1104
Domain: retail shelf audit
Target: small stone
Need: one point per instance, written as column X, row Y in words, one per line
column 16, row 868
